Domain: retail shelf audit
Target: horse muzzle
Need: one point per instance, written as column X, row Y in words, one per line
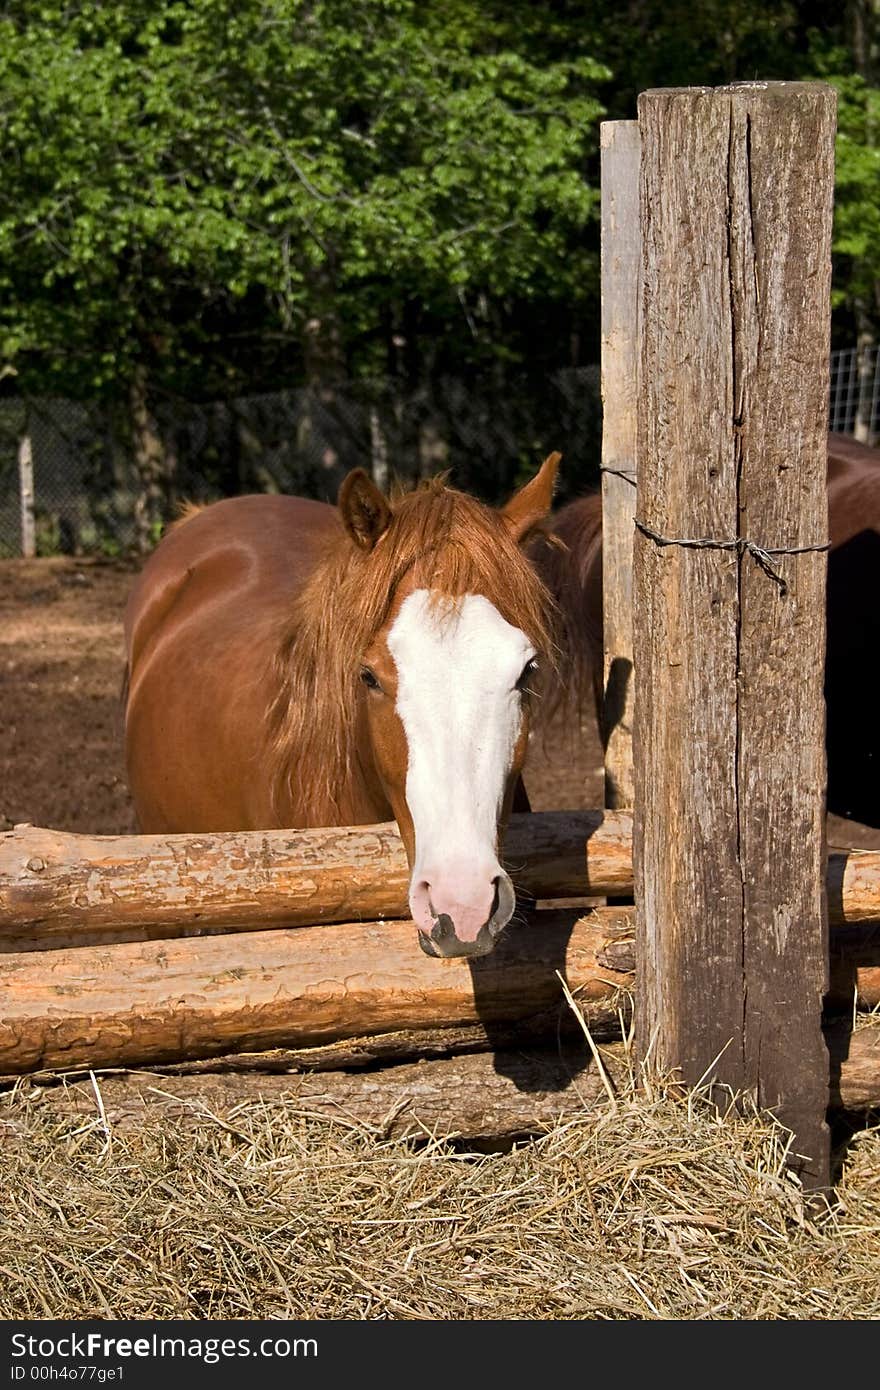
column 462, row 926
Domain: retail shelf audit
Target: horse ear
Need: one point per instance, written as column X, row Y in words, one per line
column 365, row 511
column 531, row 504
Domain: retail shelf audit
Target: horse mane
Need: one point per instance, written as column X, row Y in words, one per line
column 448, row 542
column 186, row 510
column 568, row 557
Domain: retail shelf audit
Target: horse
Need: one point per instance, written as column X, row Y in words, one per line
column 573, row 573
column 293, row 664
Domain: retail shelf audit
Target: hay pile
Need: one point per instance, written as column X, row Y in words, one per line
column 639, row 1209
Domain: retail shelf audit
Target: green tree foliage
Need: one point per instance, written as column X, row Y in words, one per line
column 848, row 56
column 857, row 196
column 225, row 192
column 224, row 195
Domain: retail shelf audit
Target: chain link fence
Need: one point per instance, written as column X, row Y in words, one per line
column 101, row 478
column 855, row 393
column 106, row 479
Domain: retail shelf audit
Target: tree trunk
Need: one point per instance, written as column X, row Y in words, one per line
column 152, row 465
column 26, row 494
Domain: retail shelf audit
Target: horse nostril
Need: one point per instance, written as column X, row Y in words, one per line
column 496, row 897
column 421, row 893
column 502, row 905
column 443, row 928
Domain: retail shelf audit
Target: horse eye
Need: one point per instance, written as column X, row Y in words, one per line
column 369, row 679
column 528, row 671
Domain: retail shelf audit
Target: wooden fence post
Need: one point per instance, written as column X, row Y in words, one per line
column 620, row 274
column 26, row 493
column 729, row 842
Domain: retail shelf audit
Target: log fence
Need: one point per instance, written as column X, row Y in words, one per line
column 61, row 890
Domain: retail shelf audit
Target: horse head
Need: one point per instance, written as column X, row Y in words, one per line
column 444, row 689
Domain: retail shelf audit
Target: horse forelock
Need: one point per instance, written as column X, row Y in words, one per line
column 440, row 539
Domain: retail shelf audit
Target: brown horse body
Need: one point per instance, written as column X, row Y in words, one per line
column 202, row 627
column 852, row 677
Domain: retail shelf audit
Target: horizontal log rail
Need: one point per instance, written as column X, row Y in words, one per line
column 477, row 1096
column 153, row 1002
column 59, row 890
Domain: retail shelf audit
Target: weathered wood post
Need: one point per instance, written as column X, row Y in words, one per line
column 729, row 844
column 620, row 279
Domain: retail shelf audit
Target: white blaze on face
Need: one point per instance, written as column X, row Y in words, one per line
column 457, row 670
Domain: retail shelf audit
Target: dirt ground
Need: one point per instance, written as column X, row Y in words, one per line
column 61, row 665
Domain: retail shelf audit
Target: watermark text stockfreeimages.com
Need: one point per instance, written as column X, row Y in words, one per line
column 94, row 1345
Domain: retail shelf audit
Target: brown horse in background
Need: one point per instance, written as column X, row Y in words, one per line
column 293, row 664
column 852, row 671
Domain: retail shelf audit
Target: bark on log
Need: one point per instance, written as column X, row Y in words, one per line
column 853, row 885
column 155, row 1002
column 429, row 1044
column 868, row 987
column 384, row 1049
column 855, row 1067
column 479, row 1097
column 59, row 890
